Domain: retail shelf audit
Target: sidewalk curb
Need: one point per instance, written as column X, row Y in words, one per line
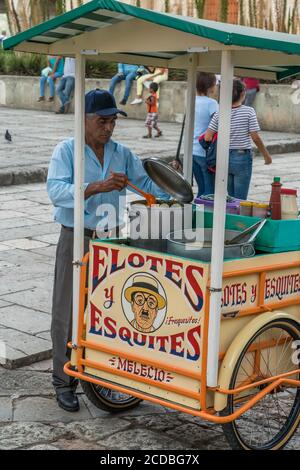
column 23, row 176
column 39, row 174
column 23, row 361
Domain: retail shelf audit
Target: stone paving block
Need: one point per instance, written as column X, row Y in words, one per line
column 22, row 382
column 42, row 366
column 96, row 429
column 24, row 319
column 155, row 422
column 48, row 217
column 5, row 265
column 49, row 252
column 42, row 409
column 69, row 444
column 3, row 304
column 40, row 209
column 46, row 335
column 41, row 228
column 10, row 214
column 51, row 239
column 19, row 283
column 198, row 438
column 5, row 409
column 35, row 298
column 21, row 265
column 22, row 348
column 12, row 197
column 143, row 439
column 18, row 435
column 5, row 247
column 17, row 204
column 25, row 244
column 44, row 447
column 20, row 222
column 40, row 196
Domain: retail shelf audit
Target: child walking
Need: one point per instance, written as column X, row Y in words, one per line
column 152, row 112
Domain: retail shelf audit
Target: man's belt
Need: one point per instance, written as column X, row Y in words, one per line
column 87, row 231
column 93, row 234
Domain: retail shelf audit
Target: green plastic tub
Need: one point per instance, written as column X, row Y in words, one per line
column 276, row 236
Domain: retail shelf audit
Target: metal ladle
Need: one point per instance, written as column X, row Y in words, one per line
column 150, row 199
column 258, row 226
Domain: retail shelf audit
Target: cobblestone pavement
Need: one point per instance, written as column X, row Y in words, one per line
column 29, row 416
column 31, row 419
column 34, row 135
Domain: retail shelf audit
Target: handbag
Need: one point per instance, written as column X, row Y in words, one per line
column 210, row 151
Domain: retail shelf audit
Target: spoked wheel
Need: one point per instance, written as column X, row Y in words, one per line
column 108, row 399
column 272, row 421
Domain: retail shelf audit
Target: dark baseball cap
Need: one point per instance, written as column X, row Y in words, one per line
column 101, row 102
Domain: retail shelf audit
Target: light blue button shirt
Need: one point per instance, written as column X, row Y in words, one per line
column 117, row 158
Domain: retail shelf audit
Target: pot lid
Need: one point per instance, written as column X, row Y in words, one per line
column 168, row 179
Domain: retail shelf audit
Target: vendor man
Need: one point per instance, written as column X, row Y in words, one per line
column 108, row 167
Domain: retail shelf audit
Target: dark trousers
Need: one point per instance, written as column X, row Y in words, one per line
column 61, row 327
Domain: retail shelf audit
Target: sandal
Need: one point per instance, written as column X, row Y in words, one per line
column 159, row 134
column 147, row 136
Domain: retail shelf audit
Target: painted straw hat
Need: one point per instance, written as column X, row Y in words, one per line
column 145, row 284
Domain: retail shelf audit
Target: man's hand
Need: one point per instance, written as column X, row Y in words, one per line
column 176, row 165
column 268, row 159
column 115, row 182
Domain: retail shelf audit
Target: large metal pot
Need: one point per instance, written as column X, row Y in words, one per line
column 187, row 244
column 149, row 226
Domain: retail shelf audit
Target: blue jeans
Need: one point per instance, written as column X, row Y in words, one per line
column 204, row 178
column 128, row 83
column 65, row 88
column 250, row 97
column 239, row 173
column 50, row 81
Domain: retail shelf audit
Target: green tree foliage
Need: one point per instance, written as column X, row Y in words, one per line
column 200, row 5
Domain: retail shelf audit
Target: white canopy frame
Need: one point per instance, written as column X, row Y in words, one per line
column 176, row 42
column 220, row 194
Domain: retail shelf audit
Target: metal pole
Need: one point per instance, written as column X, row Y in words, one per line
column 79, row 190
column 219, row 218
column 190, row 118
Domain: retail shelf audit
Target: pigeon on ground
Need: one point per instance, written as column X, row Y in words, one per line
column 8, row 136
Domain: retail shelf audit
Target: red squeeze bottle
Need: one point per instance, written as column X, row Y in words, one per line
column 275, row 201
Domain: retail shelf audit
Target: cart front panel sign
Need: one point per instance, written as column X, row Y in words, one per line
column 146, row 311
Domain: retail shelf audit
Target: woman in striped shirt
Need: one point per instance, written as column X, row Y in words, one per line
column 244, row 127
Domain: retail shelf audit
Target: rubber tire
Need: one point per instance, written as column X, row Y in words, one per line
column 104, row 404
column 229, row 429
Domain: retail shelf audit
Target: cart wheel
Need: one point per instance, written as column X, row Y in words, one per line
column 272, row 421
column 108, row 399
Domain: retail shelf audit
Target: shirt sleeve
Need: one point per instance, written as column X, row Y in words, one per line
column 213, row 107
column 214, row 123
column 253, row 122
column 139, row 178
column 60, row 186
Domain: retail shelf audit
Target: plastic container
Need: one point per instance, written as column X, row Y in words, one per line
column 275, row 199
column 260, row 210
column 289, row 208
column 232, row 205
column 246, row 208
column 276, row 236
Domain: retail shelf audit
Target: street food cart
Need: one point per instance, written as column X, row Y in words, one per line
column 215, row 339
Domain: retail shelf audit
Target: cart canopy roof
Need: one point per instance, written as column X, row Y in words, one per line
column 124, row 33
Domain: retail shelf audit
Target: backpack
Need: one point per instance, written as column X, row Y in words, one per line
column 210, row 151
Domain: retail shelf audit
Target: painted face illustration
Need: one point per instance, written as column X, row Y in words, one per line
column 145, row 301
column 144, row 307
